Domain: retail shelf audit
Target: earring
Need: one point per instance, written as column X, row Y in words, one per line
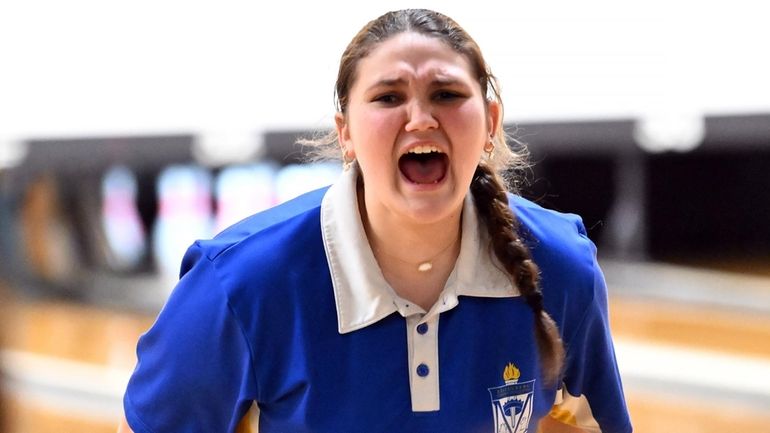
column 489, row 148
column 347, row 161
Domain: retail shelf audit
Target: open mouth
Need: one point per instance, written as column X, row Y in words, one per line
column 424, row 165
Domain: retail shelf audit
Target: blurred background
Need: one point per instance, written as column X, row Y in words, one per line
column 128, row 130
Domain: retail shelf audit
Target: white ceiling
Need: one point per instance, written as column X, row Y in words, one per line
column 81, row 68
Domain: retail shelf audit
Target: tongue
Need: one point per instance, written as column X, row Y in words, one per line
column 424, row 168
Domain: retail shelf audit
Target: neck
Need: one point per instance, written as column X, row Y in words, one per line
column 415, row 259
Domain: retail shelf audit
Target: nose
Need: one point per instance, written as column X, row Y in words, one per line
column 420, row 116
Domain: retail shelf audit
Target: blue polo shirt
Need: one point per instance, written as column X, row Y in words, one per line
column 285, row 321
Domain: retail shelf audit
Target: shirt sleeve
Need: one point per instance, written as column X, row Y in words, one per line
column 591, row 396
column 194, row 370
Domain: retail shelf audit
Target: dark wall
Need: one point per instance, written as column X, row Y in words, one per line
column 711, row 202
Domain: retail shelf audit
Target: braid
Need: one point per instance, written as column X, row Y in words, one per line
column 492, row 206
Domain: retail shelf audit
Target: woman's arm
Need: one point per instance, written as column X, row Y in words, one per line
column 550, row 425
column 123, row 427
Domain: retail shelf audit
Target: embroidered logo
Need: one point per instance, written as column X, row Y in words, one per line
column 512, row 403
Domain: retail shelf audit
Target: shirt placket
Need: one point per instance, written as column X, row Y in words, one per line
column 422, row 339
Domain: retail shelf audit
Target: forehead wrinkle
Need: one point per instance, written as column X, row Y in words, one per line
column 414, row 60
column 441, row 73
column 434, row 76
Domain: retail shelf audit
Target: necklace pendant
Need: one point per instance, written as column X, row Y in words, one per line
column 425, row 266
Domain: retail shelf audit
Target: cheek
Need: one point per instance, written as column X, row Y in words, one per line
column 375, row 131
column 468, row 124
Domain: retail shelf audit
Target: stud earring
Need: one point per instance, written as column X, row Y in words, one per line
column 347, row 161
column 489, row 148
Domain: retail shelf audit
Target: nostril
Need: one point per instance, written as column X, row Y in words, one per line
column 421, row 119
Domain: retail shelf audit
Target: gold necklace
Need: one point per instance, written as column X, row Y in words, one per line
column 425, row 265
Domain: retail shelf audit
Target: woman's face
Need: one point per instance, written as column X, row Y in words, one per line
column 417, row 123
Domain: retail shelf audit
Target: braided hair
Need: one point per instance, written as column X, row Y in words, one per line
column 502, row 225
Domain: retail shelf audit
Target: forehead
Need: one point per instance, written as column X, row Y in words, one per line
column 411, row 56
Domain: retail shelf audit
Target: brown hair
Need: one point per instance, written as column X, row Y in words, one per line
column 488, row 188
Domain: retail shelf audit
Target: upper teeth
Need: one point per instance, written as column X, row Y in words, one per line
column 424, row 149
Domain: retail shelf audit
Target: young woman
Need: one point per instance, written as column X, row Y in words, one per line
column 414, row 295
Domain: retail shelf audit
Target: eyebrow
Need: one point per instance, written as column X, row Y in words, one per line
column 446, row 82
column 436, row 82
column 388, row 82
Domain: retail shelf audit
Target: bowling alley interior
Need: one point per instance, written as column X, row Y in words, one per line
column 94, row 223
column 94, row 229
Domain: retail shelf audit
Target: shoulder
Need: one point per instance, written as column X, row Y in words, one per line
column 264, row 249
column 557, row 235
column 260, row 267
column 291, row 215
column 277, row 229
column 569, row 273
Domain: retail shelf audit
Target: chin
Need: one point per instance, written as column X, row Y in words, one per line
column 436, row 209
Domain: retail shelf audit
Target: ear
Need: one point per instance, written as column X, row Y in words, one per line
column 494, row 115
column 343, row 135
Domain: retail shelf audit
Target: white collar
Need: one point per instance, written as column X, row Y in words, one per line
column 363, row 296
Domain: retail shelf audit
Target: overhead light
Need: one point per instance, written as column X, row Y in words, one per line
column 670, row 132
column 223, row 147
column 12, row 152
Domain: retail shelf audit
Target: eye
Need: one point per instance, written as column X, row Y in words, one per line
column 387, row 99
column 447, row 95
